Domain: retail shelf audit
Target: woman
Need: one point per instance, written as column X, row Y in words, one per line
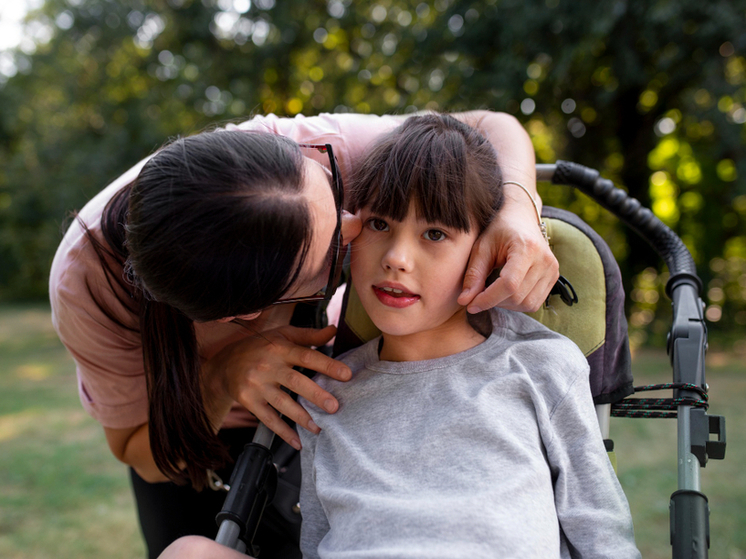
column 165, row 290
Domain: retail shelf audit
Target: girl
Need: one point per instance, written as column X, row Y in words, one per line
column 454, row 437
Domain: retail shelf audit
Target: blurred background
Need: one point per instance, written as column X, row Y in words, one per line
column 651, row 93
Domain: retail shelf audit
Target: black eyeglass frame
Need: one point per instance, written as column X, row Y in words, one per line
column 335, row 273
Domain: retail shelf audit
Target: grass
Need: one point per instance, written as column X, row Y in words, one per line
column 647, row 451
column 63, row 495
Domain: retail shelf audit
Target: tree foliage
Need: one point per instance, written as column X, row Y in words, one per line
column 650, row 93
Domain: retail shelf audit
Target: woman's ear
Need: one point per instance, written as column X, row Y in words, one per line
column 251, row 316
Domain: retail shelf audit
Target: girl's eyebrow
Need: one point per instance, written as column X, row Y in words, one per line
column 438, row 224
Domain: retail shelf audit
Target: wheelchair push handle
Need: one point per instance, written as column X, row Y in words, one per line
column 687, row 345
column 252, row 487
column 665, row 242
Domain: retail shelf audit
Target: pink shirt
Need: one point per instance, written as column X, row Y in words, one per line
column 108, row 357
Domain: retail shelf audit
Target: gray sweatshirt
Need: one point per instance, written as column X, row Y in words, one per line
column 491, row 452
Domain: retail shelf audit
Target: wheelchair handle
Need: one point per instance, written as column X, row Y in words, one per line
column 687, row 344
column 665, row 242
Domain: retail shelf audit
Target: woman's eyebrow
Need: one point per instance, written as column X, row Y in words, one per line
column 329, row 175
column 327, row 171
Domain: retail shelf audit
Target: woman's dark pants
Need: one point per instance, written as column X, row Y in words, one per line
column 168, row 511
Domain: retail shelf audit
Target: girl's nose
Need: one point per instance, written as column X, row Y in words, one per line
column 397, row 257
column 351, row 227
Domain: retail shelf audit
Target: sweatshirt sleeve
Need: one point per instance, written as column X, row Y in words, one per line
column 592, row 509
column 315, row 524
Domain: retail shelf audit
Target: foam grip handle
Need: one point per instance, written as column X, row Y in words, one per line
column 665, row 242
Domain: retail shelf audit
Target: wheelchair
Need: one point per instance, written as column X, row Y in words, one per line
column 587, row 306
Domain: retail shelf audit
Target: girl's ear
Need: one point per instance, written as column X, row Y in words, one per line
column 251, row 316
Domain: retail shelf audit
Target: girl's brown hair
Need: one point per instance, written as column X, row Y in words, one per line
column 446, row 168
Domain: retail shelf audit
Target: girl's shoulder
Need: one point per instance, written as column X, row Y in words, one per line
column 359, row 357
column 543, row 352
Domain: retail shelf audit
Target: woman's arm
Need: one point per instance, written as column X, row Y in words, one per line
column 132, row 446
column 513, row 241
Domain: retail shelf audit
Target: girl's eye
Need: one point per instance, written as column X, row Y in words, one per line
column 378, row 224
column 434, row 235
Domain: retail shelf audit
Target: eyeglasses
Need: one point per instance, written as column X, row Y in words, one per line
column 336, row 251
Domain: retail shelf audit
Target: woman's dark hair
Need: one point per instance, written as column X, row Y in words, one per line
column 215, row 225
column 442, row 165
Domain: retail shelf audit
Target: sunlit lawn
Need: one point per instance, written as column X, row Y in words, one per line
column 62, row 495
column 646, row 452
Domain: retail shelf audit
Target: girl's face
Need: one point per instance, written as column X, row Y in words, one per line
column 408, row 274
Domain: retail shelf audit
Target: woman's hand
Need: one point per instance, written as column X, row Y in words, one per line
column 514, row 242
column 253, row 372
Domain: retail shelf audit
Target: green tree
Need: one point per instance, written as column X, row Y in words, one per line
column 651, row 93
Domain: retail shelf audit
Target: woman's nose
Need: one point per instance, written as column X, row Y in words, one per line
column 351, row 227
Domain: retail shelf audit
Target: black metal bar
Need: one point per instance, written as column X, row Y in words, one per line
column 252, row 487
column 687, row 344
column 690, row 525
column 667, row 243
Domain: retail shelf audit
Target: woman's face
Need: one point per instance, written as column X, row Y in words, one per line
column 320, row 198
column 317, row 189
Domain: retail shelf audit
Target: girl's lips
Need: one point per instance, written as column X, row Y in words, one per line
column 395, row 300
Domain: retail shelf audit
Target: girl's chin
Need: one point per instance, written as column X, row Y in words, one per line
column 397, row 328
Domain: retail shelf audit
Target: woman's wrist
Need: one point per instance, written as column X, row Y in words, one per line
column 525, row 199
column 215, row 397
column 534, row 203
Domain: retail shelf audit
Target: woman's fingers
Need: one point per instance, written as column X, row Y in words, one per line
column 262, row 367
column 528, row 269
column 270, row 399
column 481, row 263
column 523, row 285
column 303, row 386
column 271, row 419
column 299, row 356
column 287, row 406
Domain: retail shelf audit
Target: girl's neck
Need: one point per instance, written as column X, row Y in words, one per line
column 453, row 336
